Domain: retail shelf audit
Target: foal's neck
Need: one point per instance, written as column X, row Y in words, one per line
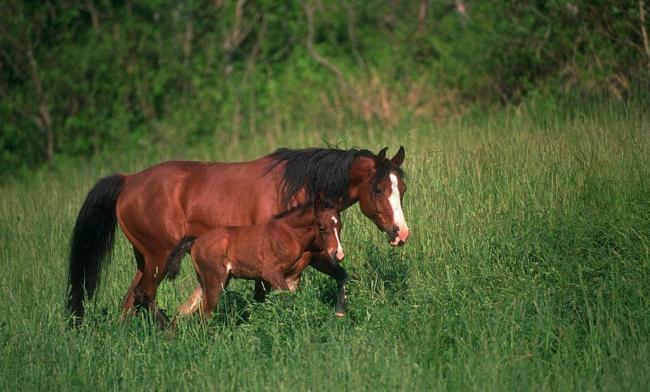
column 301, row 224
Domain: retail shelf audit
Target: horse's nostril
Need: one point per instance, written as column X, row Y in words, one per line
column 400, row 243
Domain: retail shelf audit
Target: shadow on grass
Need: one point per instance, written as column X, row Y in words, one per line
column 387, row 269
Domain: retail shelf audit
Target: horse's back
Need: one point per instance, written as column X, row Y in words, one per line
column 170, row 172
column 173, row 199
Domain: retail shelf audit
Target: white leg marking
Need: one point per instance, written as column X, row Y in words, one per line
column 339, row 249
column 396, row 204
column 192, row 303
column 293, row 284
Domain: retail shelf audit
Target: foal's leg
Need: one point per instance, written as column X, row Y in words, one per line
column 293, row 280
column 278, row 281
column 213, row 283
column 324, row 264
column 190, row 306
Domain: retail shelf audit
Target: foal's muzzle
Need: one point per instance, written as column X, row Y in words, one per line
column 337, row 255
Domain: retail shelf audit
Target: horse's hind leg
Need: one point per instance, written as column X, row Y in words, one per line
column 145, row 290
column 128, row 303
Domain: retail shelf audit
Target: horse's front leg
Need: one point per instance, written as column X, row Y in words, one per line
column 262, row 288
column 323, row 263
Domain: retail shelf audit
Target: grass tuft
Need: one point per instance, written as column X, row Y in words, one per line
column 527, row 269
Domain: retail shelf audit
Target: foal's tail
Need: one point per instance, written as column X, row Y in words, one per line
column 174, row 259
column 92, row 242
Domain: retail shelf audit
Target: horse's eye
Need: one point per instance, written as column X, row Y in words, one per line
column 379, row 190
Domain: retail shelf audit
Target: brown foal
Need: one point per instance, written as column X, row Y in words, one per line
column 275, row 252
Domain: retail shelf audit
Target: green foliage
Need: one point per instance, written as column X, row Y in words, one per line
column 129, row 75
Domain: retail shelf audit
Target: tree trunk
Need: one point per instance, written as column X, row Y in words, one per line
column 422, row 16
column 352, row 34
column 43, row 119
column 309, row 12
column 644, row 32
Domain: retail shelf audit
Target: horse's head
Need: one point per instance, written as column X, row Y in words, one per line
column 380, row 195
column 328, row 225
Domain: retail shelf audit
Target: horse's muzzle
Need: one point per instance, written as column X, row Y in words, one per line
column 397, row 236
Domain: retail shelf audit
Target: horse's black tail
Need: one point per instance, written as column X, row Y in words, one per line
column 174, row 259
column 92, row 242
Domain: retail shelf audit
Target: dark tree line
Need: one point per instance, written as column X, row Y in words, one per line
column 77, row 76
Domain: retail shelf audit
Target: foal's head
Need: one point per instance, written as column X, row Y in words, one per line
column 328, row 227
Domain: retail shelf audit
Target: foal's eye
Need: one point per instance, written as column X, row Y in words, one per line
column 378, row 191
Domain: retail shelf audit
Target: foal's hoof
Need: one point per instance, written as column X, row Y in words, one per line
column 340, row 314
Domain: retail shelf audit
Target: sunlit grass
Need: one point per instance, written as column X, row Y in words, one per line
column 528, row 268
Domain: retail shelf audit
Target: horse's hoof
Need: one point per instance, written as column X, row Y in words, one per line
column 340, row 314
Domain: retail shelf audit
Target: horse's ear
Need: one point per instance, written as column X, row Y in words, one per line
column 382, row 154
column 398, row 159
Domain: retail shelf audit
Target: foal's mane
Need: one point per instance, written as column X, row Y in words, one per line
column 303, row 208
column 299, row 209
column 323, row 170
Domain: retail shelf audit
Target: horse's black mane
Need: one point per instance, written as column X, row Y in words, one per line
column 322, row 170
column 325, row 170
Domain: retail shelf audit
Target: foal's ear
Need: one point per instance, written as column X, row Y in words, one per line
column 339, row 204
column 318, row 202
column 381, row 155
column 398, row 159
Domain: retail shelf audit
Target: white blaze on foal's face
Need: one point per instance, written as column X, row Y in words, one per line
column 339, row 249
column 395, row 200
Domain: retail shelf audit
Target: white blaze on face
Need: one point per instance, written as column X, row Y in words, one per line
column 395, row 201
column 339, row 249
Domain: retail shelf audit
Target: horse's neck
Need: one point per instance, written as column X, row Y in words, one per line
column 360, row 173
column 301, row 226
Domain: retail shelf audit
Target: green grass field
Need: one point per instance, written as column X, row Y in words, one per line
column 528, row 268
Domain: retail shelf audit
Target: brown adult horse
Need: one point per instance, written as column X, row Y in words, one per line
column 159, row 206
column 276, row 251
